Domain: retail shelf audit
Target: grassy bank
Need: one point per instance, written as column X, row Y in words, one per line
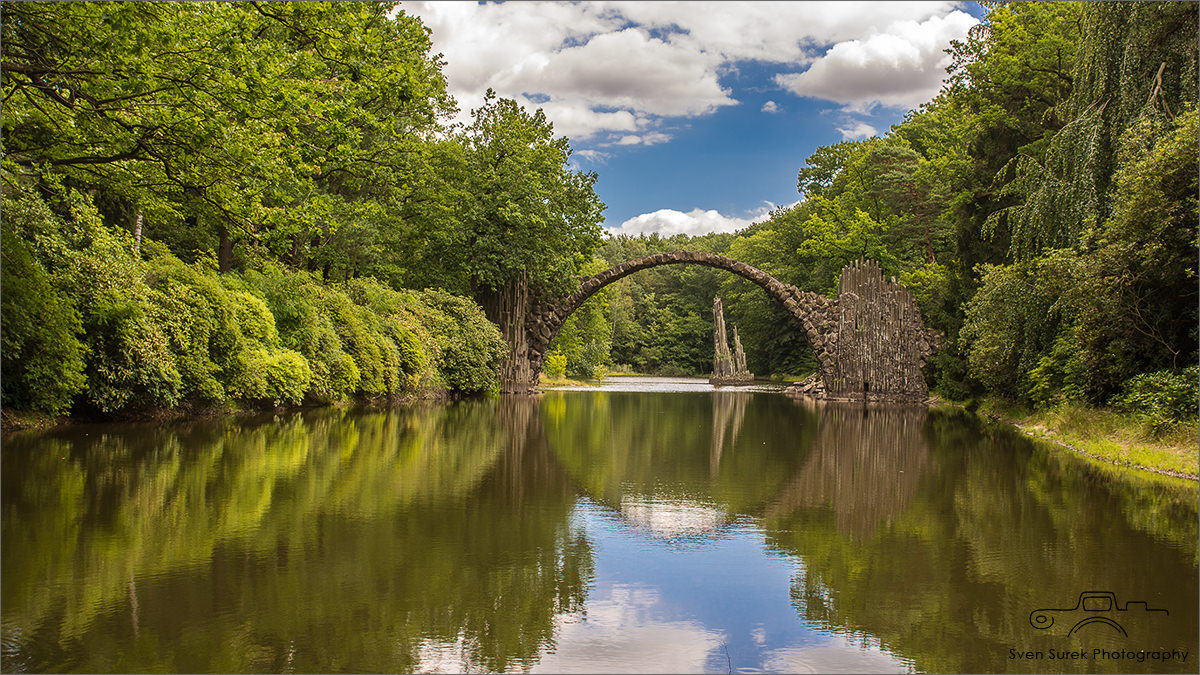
column 1107, row 435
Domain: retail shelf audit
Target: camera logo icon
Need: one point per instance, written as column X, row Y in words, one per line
column 1094, row 607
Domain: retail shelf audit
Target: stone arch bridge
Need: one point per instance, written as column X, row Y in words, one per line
column 870, row 341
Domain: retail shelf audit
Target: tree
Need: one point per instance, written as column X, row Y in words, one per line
column 269, row 122
column 531, row 218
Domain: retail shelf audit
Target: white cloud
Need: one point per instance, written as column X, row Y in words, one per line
column 577, row 119
column 841, row 656
column 900, row 67
column 624, row 67
column 669, row 222
column 857, row 131
column 623, row 634
column 774, row 32
column 595, row 156
column 652, row 138
column 629, row 69
column 770, row 107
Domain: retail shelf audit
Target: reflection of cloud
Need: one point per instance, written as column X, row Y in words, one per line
column 845, row 657
column 620, row 635
column 434, row 656
column 672, row 519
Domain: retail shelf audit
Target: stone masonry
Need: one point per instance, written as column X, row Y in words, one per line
column 869, row 342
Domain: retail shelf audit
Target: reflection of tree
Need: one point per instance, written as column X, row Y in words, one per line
column 624, row 448
column 995, row 529
column 865, row 464
column 329, row 541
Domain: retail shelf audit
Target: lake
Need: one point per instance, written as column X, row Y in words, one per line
column 641, row 525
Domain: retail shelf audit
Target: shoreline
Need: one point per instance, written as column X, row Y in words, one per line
column 1029, row 428
column 17, row 421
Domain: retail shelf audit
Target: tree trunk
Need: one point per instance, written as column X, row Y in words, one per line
column 508, row 308
column 137, row 233
column 296, row 258
column 224, row 250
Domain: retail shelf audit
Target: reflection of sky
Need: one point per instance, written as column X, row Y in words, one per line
column 657, row 607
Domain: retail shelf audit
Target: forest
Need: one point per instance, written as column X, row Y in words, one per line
column 260, row 204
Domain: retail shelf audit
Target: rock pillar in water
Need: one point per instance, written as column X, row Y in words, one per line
column 728, row 367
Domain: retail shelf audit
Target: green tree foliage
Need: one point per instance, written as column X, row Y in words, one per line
column 278, row 124
column 1163, row 399
column 219, row 202
column 470, row 347
column 522, row 215
column 117, row 333
column 556, row 364
column 1137, row 293
column 1007, row 85
column 1013, row 321
column 1113, row 200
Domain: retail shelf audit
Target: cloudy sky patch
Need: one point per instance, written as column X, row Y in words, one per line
column 900, row 67
column 712, row 105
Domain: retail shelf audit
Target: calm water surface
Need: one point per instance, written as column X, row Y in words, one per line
column 646, row 525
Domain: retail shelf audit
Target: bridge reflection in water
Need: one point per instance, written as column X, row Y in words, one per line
column 481, row 536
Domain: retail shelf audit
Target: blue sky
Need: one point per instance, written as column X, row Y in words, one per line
column 697, row 115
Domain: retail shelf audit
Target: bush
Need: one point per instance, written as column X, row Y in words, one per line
column 288, row 375
column 156, row 333
column 130, row 364
column 394, row 315
column 92, row 281
column 42, row 357
column 305, row 328
column 470, row 348
column 1012, row 325
column 555, row 365
column 199, row 326
column 1162, row 399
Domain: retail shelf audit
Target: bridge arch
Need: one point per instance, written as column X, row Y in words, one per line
column 884, row 347
column 807, row 308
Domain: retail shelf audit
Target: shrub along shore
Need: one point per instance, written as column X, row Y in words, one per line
column 97, row 326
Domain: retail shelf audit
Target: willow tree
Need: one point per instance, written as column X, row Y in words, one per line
column 1111, row 203
column 1134, row 60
